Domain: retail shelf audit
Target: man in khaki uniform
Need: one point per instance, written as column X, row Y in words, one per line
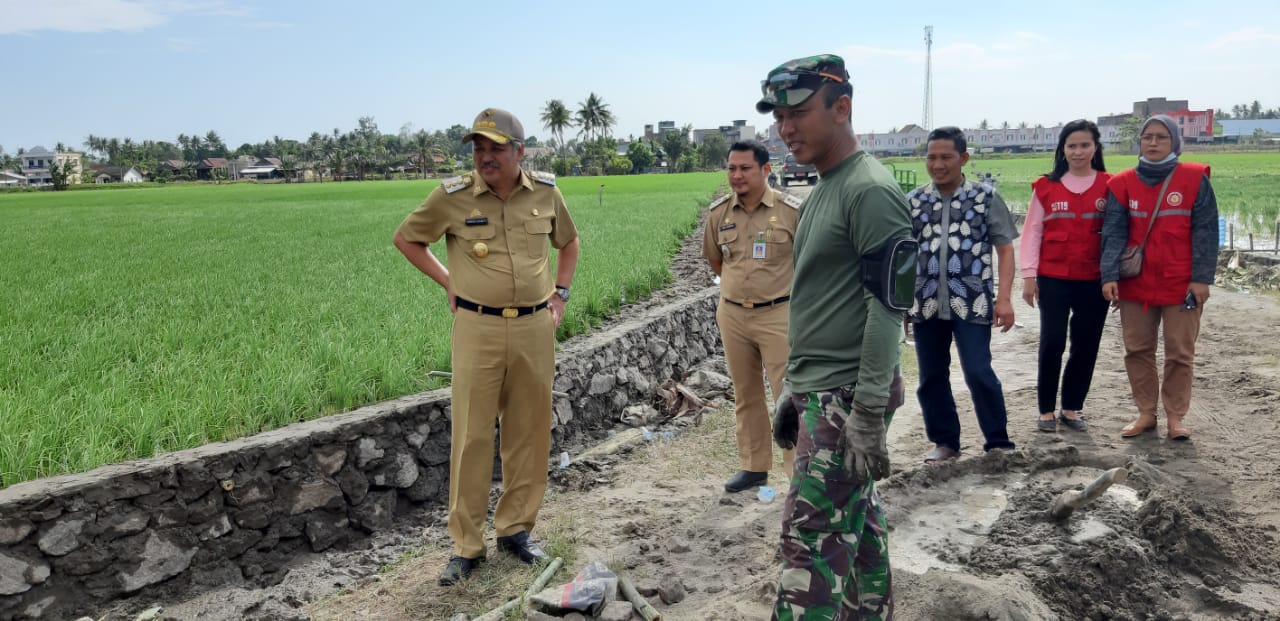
column 497, row 223
column 747, row 241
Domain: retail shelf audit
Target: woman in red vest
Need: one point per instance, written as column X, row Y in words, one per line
column 1061, row 253
column 1170, row 205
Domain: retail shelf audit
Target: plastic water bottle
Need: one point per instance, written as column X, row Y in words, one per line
column 648, row 435
column 668, row 436
column 766, row 494
column 564, row 460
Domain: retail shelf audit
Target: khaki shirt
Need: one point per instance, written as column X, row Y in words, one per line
column 496, row 252
column 731, row 238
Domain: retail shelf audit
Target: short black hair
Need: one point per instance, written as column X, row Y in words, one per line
column 754, row 146
column 952, row 133
column 832, row 91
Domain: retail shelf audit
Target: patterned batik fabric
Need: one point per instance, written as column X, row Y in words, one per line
column 967, row 274
column 835, row 540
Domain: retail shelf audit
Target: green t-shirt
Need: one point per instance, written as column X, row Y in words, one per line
column 839, row 332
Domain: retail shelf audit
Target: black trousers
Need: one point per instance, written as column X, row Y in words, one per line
column 1078, row 306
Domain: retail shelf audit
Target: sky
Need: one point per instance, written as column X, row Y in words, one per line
column 150, row 69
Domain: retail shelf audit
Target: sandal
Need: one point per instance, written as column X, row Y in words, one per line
column 941, row 454
column 1077, row 423
column 1138, row 427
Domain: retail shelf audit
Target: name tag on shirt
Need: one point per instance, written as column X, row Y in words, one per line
column 476, row 221
column 729, row 226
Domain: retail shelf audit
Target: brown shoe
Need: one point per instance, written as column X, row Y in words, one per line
column 1177, row 431
column 1138, row 427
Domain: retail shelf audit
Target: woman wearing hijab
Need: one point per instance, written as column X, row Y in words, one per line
column 1169, row 205
column 1060, row 255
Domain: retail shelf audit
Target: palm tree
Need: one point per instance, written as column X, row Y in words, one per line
column 556, row 118
column 425, row 148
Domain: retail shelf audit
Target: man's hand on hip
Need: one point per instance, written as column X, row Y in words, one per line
column 863, row 444
column 786, row 421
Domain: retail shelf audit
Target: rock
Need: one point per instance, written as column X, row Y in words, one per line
column 601, row 383
column 575, row 616
column 204, row 508
column 462, row 616
column 249, row 491
column 215, row 528
column 671, row 590
column 161, row 559
column 706, row 383
column 435, row 451
column 647, row 588
column 149, row 614
column 677, row 546
column 400, row 473
column 37, row 608
column 615, row 611
column 354, row 484
column 330, row 459
column 313, row 494
column 367, row 452
column 63, row 536
column 534, row 615
column 13, row 530
column 376, row 512
column 18, row 576
column 324, row 531
column 117, row 525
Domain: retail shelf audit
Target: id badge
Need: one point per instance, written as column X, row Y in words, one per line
column 758, row 249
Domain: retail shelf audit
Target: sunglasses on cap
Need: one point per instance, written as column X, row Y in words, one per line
column 791, row 79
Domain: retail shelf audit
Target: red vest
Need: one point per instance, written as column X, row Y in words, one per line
column 1072, row 244
column 1166, row 264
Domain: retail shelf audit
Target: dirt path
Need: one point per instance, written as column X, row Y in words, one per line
column 1191, row 534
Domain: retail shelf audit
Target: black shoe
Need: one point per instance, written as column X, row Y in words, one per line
column 459, row 567
column 745, row 479
column 521, row 546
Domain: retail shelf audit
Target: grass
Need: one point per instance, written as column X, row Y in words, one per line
column 1244, row 183
column 138, row 322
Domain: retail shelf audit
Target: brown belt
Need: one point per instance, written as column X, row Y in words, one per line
column 759, row 304
column 509, row 312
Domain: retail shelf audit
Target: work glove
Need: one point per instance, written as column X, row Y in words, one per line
column 863, row 444
column 786, row 421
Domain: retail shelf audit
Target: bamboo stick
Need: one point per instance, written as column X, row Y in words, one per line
column 539, row 584
column 638, row 601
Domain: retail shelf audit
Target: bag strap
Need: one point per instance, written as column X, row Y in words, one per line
column 1159, row 201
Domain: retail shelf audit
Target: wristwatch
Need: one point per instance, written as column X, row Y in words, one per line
column 563, row 292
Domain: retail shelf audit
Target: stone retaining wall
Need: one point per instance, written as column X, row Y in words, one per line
column 242, row 509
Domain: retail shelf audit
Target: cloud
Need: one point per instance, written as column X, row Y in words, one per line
column 86, row 16
column 79, row 16
column 1243, row 38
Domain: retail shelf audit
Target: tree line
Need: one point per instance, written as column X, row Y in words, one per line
column 581, row 142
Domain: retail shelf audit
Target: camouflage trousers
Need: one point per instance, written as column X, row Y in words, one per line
column 835, row 540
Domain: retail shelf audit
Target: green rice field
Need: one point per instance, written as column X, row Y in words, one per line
column 1246, row 184
column 138, row 322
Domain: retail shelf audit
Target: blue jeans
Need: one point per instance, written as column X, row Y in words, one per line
column 933, row 353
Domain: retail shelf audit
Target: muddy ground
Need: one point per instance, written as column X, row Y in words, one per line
column 1192, row 534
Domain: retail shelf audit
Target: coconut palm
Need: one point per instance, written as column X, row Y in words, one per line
column 557, row 118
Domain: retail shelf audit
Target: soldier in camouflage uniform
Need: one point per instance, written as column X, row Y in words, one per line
column 844, row 331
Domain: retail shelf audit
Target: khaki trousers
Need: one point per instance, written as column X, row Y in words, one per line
column 502, row 370
column 1141, row 327
column 755, row 343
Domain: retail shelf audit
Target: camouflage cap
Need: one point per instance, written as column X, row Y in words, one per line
column 497, row 125
column 795, row 81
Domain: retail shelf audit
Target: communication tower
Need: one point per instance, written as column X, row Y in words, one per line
column 927, row 120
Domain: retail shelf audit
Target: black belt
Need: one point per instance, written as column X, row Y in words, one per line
column 759, row 304
column 510, row 312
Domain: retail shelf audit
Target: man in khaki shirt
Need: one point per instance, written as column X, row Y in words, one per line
column 497, row 223
column 747, row 241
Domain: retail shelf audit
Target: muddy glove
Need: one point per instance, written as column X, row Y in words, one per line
column 863, row 444
column 786, row 421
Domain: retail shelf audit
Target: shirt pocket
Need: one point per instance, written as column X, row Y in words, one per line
column 727, row 241
column 537, row 236
column 477, row 241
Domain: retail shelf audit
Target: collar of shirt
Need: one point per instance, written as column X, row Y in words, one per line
column 480, row 187
column 767, row 200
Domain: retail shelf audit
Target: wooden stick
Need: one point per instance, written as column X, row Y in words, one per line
column 638, row 601
column 539, row 584
column 1071, row 500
